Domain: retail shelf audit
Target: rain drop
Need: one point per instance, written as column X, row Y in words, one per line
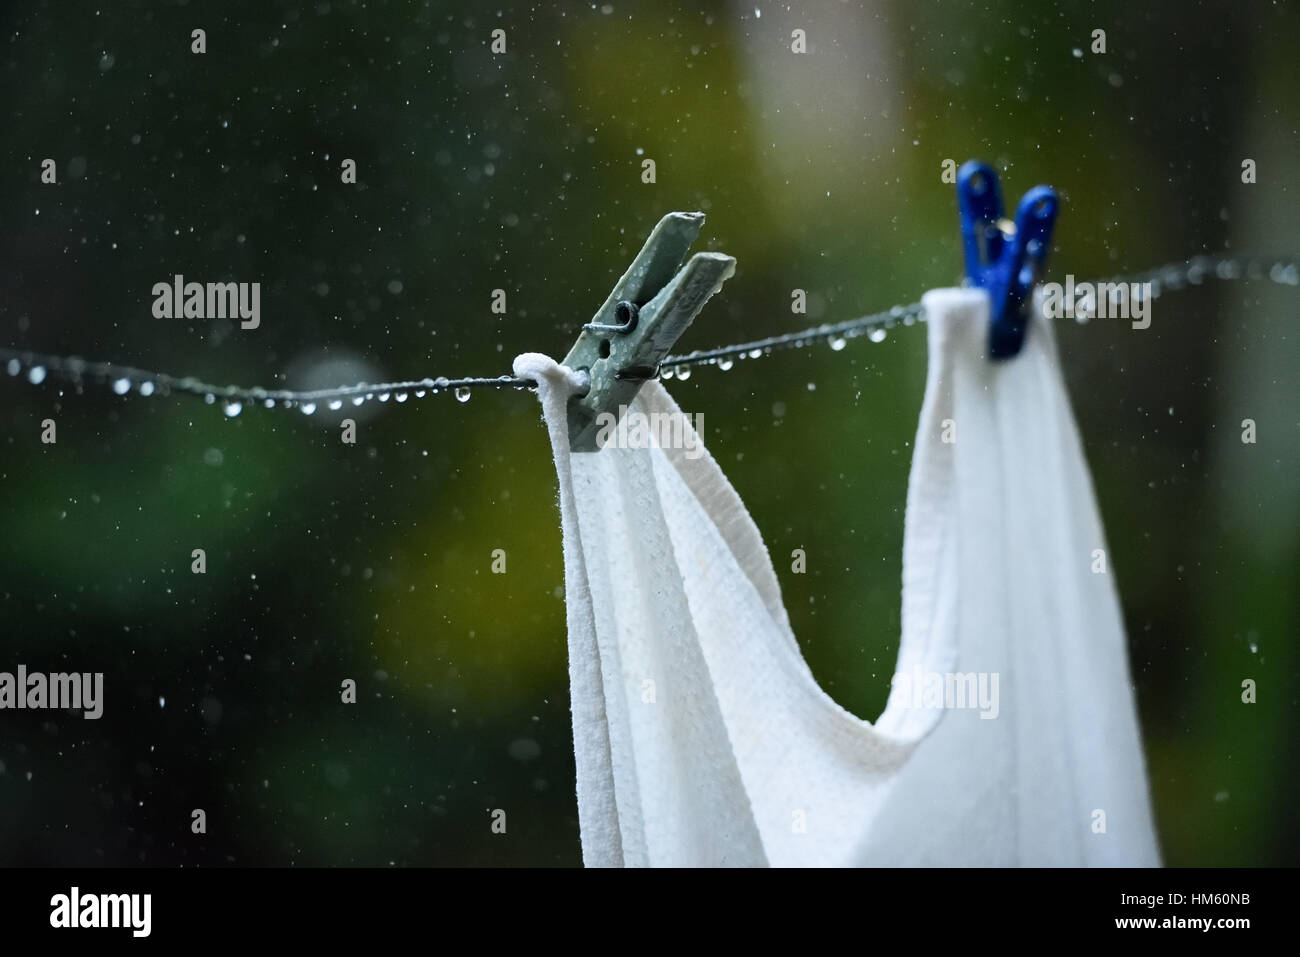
column 308, row 408
column 876, row 335
column 684, row 373
column 36, row 375
column 335, row 404
column 400, row 397
column 725, row 364
column 233, row 409
column 462, row 394
column 121, row 386
column 146, row 388
column 837, row 343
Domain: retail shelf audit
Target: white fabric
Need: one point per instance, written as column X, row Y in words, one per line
column 734, row 755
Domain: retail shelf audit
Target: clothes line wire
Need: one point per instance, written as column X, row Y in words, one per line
column 37, row 368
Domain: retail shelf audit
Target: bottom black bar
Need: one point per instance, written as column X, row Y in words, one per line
column 446, row 906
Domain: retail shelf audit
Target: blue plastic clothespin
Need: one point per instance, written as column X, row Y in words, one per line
column 1004, row 257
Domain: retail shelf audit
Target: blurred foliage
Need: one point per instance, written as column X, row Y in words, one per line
column 522, row 172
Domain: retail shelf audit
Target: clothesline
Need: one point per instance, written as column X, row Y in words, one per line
column 36, row 368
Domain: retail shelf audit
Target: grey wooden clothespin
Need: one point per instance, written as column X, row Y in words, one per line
column 647, row 312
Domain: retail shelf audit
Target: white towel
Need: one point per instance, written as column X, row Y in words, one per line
column 701, row 736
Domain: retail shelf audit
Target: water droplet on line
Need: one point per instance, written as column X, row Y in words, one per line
column 36, row 375
column 335, row 404
column 462, row 394
column 121, row 386
column 877, row 335
column 233, row 409
column 725, row 364
column 308, row 408
column 837, row 343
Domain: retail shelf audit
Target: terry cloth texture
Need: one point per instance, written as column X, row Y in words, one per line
column 1010, row 735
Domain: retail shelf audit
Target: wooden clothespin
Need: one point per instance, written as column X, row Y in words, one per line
column 642, row 319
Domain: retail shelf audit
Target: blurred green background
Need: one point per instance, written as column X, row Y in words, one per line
column 522, row 172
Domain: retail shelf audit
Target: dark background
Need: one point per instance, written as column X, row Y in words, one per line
column 522, row 172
